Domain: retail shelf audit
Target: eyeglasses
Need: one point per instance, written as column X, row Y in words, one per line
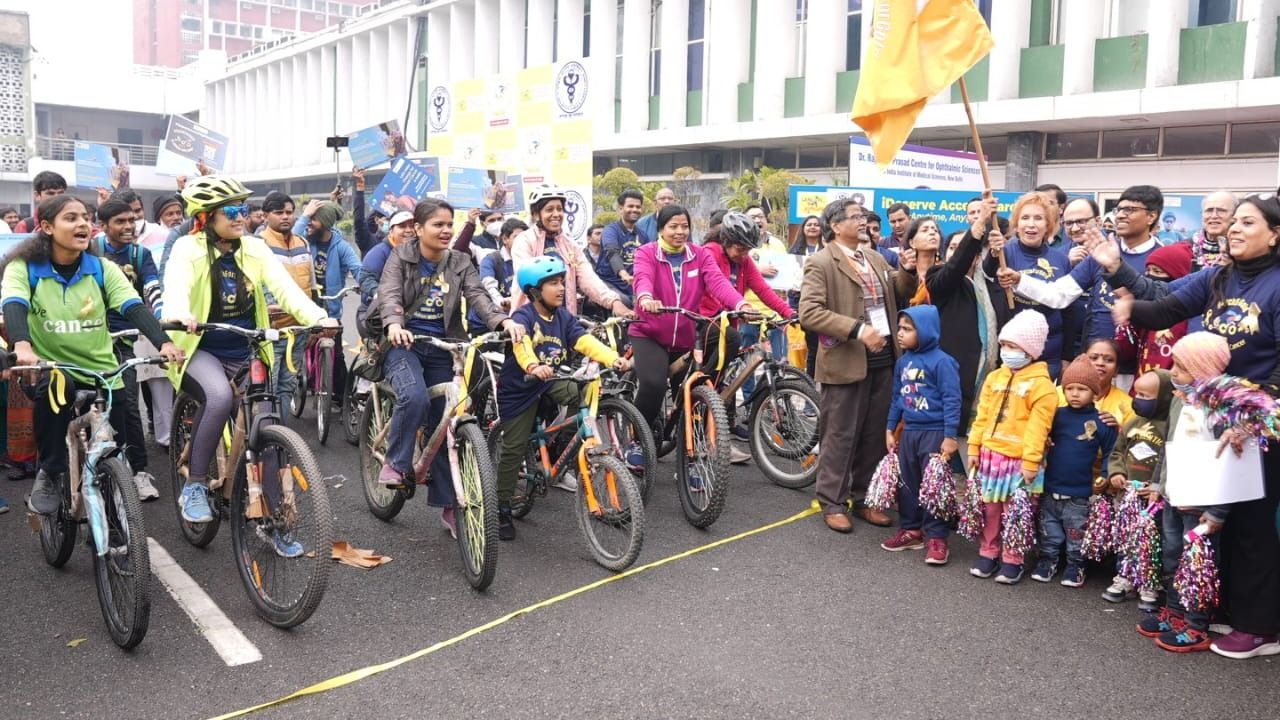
column 1216, row 212
column 1130, row 209
column 235, row 212
column 1082, row 222
column 855, row 216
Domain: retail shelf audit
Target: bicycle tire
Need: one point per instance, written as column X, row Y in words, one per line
column 669, row 440
column 768, row 443
column 702, row 506
column 284, row 612
column 58, row 531
column 298, row 398
column 384, row 503
column 352, row 408
column 627, row 513
column 126, row 603
column 198, row 534
column 522, row 497
column 478, row 519
column 324, row 394
column 620, row 439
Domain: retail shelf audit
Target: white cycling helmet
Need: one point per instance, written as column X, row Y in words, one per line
column 544, row 192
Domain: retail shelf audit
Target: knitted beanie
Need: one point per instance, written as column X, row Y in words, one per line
column 328, row 215
column 1174, row 259
column 1203, row 354
column 1082, row 372
column 1028, row 330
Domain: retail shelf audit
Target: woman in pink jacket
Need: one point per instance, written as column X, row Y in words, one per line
column 671, row 272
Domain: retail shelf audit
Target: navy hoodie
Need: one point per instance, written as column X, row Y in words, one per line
column 926, row 380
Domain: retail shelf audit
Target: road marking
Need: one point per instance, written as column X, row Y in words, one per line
column 227, row 640
column 355, row 675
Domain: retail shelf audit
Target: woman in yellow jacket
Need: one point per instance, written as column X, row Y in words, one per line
column 1007, row 438
column 217, row 274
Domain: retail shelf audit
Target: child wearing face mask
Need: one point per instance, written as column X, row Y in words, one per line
column 1136, row 457
column 1197, row 357
column 1007, row 438
column 1151, row 349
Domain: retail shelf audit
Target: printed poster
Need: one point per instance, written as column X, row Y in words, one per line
column 187, row 143
column 99, row 166
column 490, row 189
column 405, row 184
column 377, row 144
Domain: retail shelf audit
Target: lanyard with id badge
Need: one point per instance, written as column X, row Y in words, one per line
column 877, row 314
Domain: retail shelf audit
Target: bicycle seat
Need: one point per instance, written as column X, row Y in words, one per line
column 83, row 398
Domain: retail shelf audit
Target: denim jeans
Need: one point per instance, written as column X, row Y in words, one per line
column 412, row 373
column 777, row 343
column 1062, row 521
column 1173, row 525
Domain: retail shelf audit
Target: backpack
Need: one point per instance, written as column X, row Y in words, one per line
column 135, row 259
column 32, row 280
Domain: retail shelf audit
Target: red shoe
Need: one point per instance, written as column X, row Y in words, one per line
column 1158, row 623
column 937, row 553
column 1186, row 640
column 904, row 540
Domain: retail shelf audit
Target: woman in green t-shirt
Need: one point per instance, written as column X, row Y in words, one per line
column 55, row 298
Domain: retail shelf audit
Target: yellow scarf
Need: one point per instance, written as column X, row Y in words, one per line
column 668, row 249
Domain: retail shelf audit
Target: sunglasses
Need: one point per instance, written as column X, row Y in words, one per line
column 235, row 212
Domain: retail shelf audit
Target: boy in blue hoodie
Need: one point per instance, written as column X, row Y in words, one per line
column 926, row 398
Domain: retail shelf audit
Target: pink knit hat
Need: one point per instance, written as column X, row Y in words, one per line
column 1203, row 354
column 1028, row 330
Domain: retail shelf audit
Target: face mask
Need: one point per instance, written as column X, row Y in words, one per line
column 1185, row 389
column 1014, row 359
column 494, row 228
column 1144, row 407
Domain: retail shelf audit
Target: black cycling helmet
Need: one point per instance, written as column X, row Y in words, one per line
column 738, row 229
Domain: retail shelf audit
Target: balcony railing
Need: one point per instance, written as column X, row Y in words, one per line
column 64, row 149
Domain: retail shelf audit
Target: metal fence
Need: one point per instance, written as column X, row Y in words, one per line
column 64, row 149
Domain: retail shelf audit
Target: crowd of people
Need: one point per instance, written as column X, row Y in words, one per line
column 1047, row 358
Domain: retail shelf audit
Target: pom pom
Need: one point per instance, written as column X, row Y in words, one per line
column 1197, row 577
column 1099, row 533
column 1126, row 515
column 1140, row 553
column 883, row 488
column 970, row 521
column 1018, row 533
column 938, row 488
column 1240, row 404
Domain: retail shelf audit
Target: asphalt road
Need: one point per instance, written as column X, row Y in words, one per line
column 794, row 622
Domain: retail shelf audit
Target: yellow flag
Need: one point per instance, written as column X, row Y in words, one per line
column 918, row 49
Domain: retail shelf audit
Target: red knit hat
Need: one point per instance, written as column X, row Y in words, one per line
column 1174, row 259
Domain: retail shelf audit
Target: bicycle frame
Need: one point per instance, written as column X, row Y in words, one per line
column 757, row 355
column 585, row 441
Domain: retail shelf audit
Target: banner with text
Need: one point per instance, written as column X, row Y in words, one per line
column 187, row 143
column 947, row 207
column 916, row 167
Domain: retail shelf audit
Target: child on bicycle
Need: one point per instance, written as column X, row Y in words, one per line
column 551, row 331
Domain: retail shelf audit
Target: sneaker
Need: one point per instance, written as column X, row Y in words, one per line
column 450, row 521
column 938, row 553
column 4, row 506
column 1241, row 645
column 568, row 482
column 1186, row 640
column 195, row 504
column 1148, row 601
column 1160, row 622
column 904, row 540
column 984, row 568
column 740, row 432
column 45, row 498
column 634, row 456
column 390, row 476
column 1045, row 570
column 506, row 528
column 285, row 545
column 1010, row 574
column 146, row 486
column 1073, row 576
column 738, row 457
column 1119, row 591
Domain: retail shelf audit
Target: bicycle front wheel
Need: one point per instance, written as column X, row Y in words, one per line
column 784, row 434
column 298, row 400
column 282, row 554
column 623, row 427
column 704, row 458
column 614, row 527
column 384, row 502
column 123, row 575
column 324, row 395
column 352, row 408
column 58, row 531
column 477, row 510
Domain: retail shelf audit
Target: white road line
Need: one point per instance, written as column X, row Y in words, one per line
column 217, row 628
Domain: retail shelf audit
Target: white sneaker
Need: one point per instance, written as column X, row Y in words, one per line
column 738, row 457
column 568, row 482
column 146, row 486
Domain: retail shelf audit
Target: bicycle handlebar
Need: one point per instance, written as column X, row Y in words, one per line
column 696, row 317
column 585, row 374
column 260, row 334
column 341, row 293
column 45, row 366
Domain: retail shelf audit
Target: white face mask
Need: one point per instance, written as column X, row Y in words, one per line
column 494, row 228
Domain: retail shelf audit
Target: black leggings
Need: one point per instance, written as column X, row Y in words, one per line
column 652, row 364
column 208, row 380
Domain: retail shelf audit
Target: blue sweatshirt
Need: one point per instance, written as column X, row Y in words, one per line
column 1045, row 264
column 617, row 241
column 1079, row 439
column 1247, row 315
column 552, row 341
column 926, row 380
column 145, row 278
column 1091, row 277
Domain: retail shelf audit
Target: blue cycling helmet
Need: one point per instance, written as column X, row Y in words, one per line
column 531, row 276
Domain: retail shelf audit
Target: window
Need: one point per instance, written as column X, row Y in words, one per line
column 802, row 21
column 257, row 33
column 1211, row 12
column 853, row 36
column 1255, row 138
column 1138, row 143
column 1126, row 18
column 995, row 148
column 816, row 157
column 586, row 28
column 695, row 71
column 655, row 50
column 231, row 29
column 191, row 24
column 1071, row 146
column 246, row 31
column 305, row 4
column 1199, row 140
column 984, row 9
column 217, row 27
column 663, row 164
column 348, row 11
column 782, row 158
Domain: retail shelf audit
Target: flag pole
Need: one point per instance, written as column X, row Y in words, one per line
column 986, row 175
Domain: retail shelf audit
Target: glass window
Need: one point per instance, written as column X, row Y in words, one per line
column 257, row 33
column 995, row 148
column 658, row 164
column 1255, row 138
column 586, row 32
column 246, row 31
column 217, row 27
column 694, row 72
column 1143, row 142
column 855, row 6
column 1211, row 12
column 816, row 157
column 784, row 158
column 1071, row 146
column 712, row 161
column 853, row 38
column 191, row 24
column 842, row 154
column 984, row 9
column 1199, row 140
column 1127, row 18
column 655, row 79
column 802, row 10
column 697, row 19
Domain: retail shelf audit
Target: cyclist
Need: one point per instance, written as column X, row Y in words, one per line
column 672, row 272
column 218, row 274
column 496, row 272
column 551, row 331
column 333, row 259
column 55, row 298
column 420, row 293
column 546, row 206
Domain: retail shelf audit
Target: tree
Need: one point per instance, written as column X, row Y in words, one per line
column 605, row 189
column 767, row 186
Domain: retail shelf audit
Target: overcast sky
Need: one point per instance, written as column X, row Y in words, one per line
column 96, row 34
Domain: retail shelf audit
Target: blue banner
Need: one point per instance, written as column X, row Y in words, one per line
column 488, row 189
column 1180, row 218
column 945, row 206
column 97, row 166
column 376, row 144
column 405, row 184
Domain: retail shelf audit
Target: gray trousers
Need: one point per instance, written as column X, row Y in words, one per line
column 851, row 424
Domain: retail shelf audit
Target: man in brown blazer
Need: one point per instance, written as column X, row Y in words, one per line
column 847, row 298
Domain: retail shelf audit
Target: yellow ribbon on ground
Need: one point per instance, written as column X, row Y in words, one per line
column 334, row 683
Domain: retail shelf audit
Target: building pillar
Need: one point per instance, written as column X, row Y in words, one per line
column 511, row 36
column 569, row 16
column 636, row 43
column 540, row 38
column 462, row 23
column 824, row 59
column 1259, row 37
column 1165, row 22
column 604, row 66
column 673, row 33
column 1022, row 161
column 775, row 51
column 486, row 39
column 726, row 54
column 1080, row 28
column 1011, row 22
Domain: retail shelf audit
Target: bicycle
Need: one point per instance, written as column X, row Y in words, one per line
column 364, row 371
column 293, row 507
column 621, row 421
column 608, row 494
column 783, row 422
column 98, row 489
column 459, row 433
column 316, row 376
